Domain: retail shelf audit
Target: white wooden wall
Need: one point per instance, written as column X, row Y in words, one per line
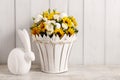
column 99, row 27
column 7, row 28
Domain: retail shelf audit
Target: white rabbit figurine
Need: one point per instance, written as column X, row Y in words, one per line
column 19, row 60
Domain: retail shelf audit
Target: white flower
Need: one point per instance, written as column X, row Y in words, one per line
column 52, row 21
column 45, row 19
column 49, row 32
column 58, row 25
column 64, row 26
column 50, row 28
column 38, row 18
column 57, row 17
column 63, row 15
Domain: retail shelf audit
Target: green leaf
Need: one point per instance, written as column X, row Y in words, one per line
column 49, row 10
column 54, row 10
column 33, row 18
column 53, row 24
column 76, row 31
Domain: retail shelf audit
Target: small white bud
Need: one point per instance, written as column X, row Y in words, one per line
column 63, row 15
column 58, row 25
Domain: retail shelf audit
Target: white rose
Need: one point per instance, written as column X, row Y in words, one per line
column 50, row 29
column 45, row 19
column 49, row 22
column 63, row 15
column 49, row 32
column 38, row 18
column 64, row 26
column 57, row 17
column 52, row 21
column 58, row 25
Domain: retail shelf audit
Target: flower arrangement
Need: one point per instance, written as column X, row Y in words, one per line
column 52, row 22
column 54, row 34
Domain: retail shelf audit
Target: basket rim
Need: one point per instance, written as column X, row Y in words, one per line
column 54, row 39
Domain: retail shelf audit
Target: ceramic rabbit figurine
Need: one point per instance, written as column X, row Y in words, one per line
column 19, row 60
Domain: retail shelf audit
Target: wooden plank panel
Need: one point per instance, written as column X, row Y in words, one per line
column 7, row 29
column 22, row 17
column 37, row 7
column 76, row 10
column 112, row 37
column 94, row 12
column 60, row 5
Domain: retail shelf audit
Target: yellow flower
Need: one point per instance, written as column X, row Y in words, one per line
column 35, row 31
column 74, row 21
column 38, row 29
column 34, row 25
column 67, row 21
column 59, row 32
column 56, row 12
column 52, row 22
column 45, row 14
column 42, row 27
column 70, row 31
column 48, row 15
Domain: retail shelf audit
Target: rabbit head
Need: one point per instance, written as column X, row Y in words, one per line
column 25, row 39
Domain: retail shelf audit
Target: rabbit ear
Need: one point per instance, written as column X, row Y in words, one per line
column 27, row 35
column 28, row 39
column 24, row 37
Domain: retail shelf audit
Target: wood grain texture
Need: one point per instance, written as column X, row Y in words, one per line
column 76, row 10
column 112, row 37
column 7, row 29
column 22, row 17
column 60, row 5
column 38, row 6
column 94, row 31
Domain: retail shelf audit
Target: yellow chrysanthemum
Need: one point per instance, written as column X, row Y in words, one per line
column 74, row 21
column 48, row 15
column 70, row 31
column 35, row 31
column 60, row 32
column 42, row 27
column 67, row 21
column 45, row 14
column 38, row 29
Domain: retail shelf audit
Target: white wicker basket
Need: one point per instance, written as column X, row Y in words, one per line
column 54, row 52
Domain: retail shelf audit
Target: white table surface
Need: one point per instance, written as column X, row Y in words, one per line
column 76, row 72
